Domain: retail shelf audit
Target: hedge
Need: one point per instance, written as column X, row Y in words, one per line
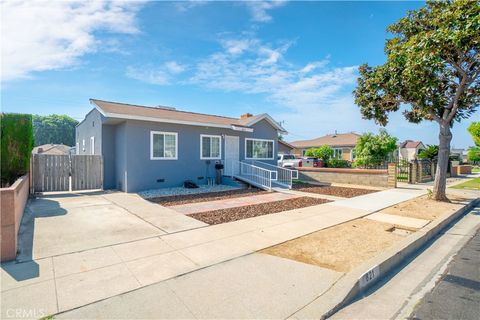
column 16, row 146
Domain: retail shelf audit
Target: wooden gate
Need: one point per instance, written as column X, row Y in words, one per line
column 66, row 173
column 87, row 172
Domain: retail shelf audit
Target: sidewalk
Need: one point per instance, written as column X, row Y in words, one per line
column 73, row 280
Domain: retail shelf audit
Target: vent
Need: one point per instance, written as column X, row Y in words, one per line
column 161, row 180
column 165, row 108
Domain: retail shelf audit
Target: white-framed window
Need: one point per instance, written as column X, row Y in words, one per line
column 210, row 147
column 259, row 149
column 163, row 145
column 77, row 148
column 83, row 145
column 338, row 153
column 92, row 145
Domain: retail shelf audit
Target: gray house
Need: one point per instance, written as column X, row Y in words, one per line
column 154, row 147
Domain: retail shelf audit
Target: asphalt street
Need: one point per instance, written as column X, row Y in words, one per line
column 457, row 294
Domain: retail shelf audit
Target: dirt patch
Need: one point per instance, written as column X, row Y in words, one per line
column 332, row 190
column 201, row 197
column 239, row 213
column 424, row 208
column 340, row 248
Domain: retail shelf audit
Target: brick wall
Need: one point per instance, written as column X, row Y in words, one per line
column 368, row 177
column 13, row 201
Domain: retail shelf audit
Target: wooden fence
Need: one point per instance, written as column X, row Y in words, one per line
column 66, row 173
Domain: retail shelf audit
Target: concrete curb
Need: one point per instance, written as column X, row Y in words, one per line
column 374, row 270
column 358, row 281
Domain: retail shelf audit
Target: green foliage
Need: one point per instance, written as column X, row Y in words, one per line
column 325, row 152
column 337, row 163
column 473, row 154
column 56, row 129
column 432, row 66
column 16, row 146
column 373, row 150
column 430, row 153
column 474, row 130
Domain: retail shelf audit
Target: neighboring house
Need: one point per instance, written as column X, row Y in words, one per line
column 284, row 147
column 153, row 147
column 342, row 144
column 460, row 153
column 57, row 149
column 409, row 150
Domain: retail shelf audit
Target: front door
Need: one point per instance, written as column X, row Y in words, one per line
column 232, row 155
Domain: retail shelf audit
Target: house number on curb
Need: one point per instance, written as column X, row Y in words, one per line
column 369, row 276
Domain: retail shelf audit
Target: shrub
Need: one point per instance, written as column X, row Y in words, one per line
column 337, row 163
column 16, row 146
column 324, row 153
column 373, row 150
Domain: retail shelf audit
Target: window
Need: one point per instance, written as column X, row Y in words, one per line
column 77, row 148
column 163, row 145
column 338, row 153
column 210, row 147
column 83, row 145
column 259, row 149
column 92, row 145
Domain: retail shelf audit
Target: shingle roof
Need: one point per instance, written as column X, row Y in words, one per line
column 337, row 140
column 288, row 145
column 410, row 144
column 58, row 149
column 112, row 109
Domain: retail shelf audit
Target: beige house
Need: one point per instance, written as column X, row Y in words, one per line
column 285, row 147
column 57, row 149
column 342, row 144
column 409, row 150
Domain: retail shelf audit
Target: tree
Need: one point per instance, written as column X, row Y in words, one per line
column 16, row 146
column 474, row 130
column 56, row 129
column 325, row 152
column 372, row 150
column 429, row 153
column 473, row 154
column 432, row 68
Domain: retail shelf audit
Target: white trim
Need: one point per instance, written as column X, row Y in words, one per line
column 219, row 146
column 83, row 145
column 164, row 133
column 242, row 129
column 92, row 145
column 269, row 119
column 254, row 139
column 77, row 147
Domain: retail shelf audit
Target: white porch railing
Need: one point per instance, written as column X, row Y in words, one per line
column 255, row 175
column 284, row 176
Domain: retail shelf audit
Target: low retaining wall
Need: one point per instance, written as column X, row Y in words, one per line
column 13, row 201
column 464, row 169
column 368, row 177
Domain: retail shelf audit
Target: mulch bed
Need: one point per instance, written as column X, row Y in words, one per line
column 239, row 213
column 331, row 190
column 201, row 197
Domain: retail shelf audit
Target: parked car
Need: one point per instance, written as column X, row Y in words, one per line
column 288, row 161
column 311, row 162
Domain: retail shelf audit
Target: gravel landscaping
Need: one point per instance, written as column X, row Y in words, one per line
column 201, row 197
column 167, row 192
column 239, row 213
column 343, row 192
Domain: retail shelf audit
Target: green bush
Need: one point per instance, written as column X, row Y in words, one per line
column 324, row 153
column 337, row 163
column 16, row 146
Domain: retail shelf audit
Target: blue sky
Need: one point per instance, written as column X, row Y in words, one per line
column 294, row 60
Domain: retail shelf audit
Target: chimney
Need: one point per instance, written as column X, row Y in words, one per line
column 246, row 115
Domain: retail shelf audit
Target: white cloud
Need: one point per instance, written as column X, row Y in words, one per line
column 250, row 66
column 187, row 5
column 174, row 68
column 39, row 35
column 259, row 9
column 162, row 75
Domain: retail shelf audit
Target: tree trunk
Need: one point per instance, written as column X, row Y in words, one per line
column 440, row 184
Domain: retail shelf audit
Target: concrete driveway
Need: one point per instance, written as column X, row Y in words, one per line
column 60, row 224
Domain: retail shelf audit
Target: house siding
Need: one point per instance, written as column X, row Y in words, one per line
column 91, row 126
column 144, row 173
